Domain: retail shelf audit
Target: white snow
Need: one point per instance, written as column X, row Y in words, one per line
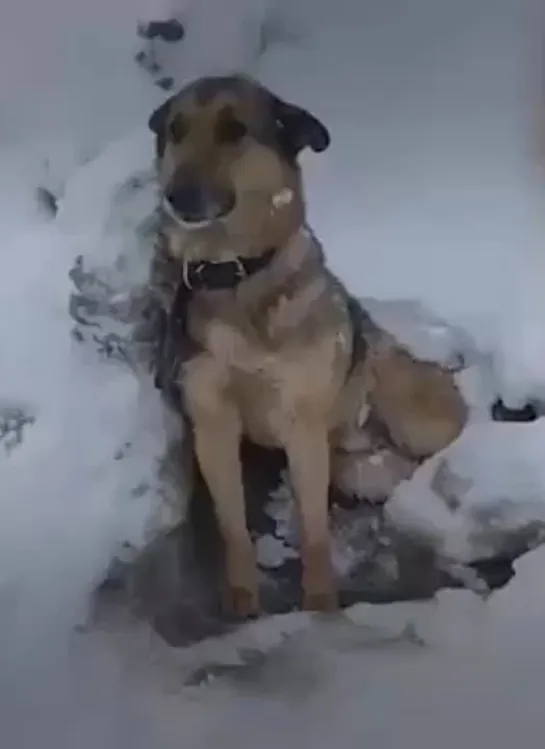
column 430, row 201
column 495, row 472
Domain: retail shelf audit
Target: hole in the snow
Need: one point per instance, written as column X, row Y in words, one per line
column 500, row 412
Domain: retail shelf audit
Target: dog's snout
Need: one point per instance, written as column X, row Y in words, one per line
column 189, row 201
column 195, row 202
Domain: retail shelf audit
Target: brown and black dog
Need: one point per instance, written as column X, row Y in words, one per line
column 270, row 346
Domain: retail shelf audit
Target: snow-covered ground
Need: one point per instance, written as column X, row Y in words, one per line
column 430, row 191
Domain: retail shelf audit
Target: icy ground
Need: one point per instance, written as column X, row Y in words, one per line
column 429, row 192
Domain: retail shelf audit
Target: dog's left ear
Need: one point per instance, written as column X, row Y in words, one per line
column 298, row 129
column 157, row 123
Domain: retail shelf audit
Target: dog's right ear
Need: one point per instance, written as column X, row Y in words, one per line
column 157, row 124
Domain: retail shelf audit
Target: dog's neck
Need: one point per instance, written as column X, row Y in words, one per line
column 211, row 266
column 286, row 286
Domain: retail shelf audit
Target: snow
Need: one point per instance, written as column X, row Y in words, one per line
column 494, row 471
column 429, row 201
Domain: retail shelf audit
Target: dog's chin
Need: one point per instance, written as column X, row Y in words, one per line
column 188, row 225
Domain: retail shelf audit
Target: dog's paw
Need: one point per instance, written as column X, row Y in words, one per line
column 240, row 603
column 322, row 601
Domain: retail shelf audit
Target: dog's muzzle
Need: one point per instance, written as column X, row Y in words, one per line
column 195, row 206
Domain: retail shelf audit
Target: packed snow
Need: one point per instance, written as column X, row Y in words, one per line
column 429, row 204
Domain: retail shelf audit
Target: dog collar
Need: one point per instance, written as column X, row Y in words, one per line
column 200, row 275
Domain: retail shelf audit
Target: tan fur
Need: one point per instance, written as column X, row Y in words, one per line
column 275, row 354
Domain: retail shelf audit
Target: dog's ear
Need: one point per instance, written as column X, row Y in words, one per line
column 158, row 117
column 298, row 129
column 157, row 124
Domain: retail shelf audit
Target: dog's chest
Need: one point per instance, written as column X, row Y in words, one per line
column 244, row 338
column 266, row 378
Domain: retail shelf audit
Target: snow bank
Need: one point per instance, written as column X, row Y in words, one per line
column 487, row 486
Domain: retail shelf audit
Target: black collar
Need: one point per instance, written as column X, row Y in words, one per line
column 201, row 275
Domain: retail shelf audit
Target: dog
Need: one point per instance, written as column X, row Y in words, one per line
column 265, row 342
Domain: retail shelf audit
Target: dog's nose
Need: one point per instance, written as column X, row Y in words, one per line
column 195, row 203
column 189, row 201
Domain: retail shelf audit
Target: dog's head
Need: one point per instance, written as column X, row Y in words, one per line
column 227, row 153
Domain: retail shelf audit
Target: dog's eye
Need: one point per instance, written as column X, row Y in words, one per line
column 178, row 129
column 230, row 130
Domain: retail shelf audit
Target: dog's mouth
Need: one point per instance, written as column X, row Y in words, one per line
column 189, row 224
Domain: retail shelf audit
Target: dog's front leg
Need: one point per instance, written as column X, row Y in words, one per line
column 217, row 447
column 307, row 449
column 217, row 436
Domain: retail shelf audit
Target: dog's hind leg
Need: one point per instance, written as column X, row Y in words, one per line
column 418, row 402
